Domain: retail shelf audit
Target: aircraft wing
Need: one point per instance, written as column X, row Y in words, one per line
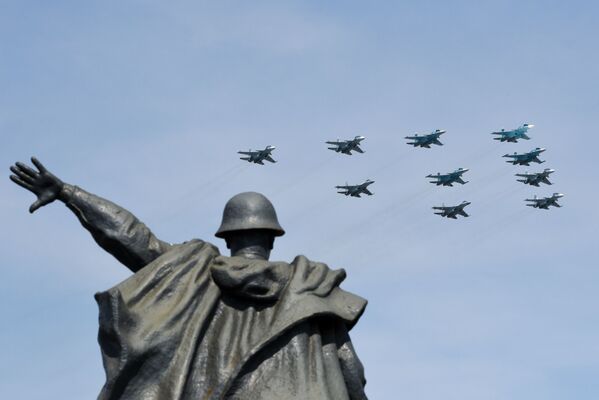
column 463, row 213
column 337, row 143
column 358, row 149
column 346, row 187
column 247, row 153
column 527, row 175
column 413, row 137
column 366, row 191
column 269, row 158
column 442, row 208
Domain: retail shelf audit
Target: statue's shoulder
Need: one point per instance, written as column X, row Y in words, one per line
column 317, row 288
column 194, row 245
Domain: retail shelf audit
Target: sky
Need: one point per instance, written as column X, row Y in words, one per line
column 147, row 102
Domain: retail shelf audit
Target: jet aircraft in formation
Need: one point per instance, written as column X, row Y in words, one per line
column 450, row 178
column 514, row 134
column 526, row 158
column 426, row 140
column 347, row 146
column 258, row 156
column 452, row 211
column 536, row 178
column 545, row 202
column 356, row 190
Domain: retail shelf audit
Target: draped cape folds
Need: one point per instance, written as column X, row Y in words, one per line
column 196, row 325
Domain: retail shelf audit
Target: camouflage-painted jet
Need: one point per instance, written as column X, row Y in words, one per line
column 514, row 134
column 258, row 156
column 526, row 158
column 347, row 146
column 452, row 211
column 536, row 178
column 450, row 178
column 356, row 190
column 545, row 202
column 426, row 140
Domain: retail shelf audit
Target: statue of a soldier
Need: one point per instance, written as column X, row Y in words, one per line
column 192, row 324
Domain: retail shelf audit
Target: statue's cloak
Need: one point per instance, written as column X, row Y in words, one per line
column 196, row 325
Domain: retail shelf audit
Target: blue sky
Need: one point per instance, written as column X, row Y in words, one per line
column 146, row 103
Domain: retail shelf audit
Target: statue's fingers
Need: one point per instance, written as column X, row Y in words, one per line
column 26, row 169
column 38, row 164
column 37, row 204
column 21, row 175
column 40, row 202
column 19, row 182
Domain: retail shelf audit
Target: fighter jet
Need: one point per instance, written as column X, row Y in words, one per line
column 426, row 140
column 449, row 178
column 526, row 158
column 452, row 211
column 347, row 146
column 536, row 178
column 545, row 202
column 514, row 134
column 258, row 156
column 356, row 190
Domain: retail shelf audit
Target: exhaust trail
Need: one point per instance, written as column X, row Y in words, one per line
column 404, row 155
column 376, row 221
column 314, row 168
column 496, row 228
column 210, row 185
column 478, row 155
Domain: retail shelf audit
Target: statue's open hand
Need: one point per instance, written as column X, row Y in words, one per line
column 42, row 183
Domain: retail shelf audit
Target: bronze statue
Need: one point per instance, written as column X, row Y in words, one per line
column 192, row 324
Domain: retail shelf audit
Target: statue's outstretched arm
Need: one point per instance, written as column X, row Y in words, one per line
column 115, row 229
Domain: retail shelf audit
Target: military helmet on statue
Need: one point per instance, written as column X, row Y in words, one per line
column 249, row 210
